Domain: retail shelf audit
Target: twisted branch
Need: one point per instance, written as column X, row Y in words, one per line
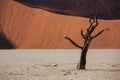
column 66, row 37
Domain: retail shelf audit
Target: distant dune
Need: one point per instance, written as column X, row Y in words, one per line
column 28, row 28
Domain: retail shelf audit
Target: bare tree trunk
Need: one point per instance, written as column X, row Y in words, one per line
column 83, row 56
column 88, row 38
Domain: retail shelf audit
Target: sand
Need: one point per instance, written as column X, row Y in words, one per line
column 28, row 28
column 58, row 65
column 59, row 72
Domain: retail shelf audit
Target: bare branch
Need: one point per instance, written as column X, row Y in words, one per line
column 96, row 22
column 83, row 36
column 92, row 20
column 93, row 25
column 66, row 37
column 100, row 33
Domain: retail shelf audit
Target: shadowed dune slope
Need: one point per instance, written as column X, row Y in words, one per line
column 106, row 9
column 5, row 43
column 28, row 28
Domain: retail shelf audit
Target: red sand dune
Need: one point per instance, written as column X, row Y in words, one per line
column 27, row 28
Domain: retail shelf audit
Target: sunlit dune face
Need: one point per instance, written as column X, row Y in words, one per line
column 34, row 28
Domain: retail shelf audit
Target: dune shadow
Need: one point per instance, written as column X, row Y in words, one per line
column 80, row 8
column 5, row 43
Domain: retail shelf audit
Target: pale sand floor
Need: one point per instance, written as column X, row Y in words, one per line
column 58, row 65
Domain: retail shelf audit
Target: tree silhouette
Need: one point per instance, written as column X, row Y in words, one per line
column 87, row 40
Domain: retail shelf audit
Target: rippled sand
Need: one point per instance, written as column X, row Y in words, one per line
column 58, row 65
column 97, row 71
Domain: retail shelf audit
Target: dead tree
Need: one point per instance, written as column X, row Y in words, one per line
column 87, row 40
